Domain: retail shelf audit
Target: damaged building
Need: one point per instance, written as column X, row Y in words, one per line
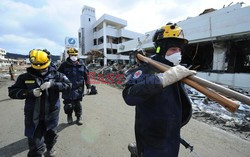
column 219, row 40
column 219, row 45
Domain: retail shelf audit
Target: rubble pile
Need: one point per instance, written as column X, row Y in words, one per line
column 212, row 113
column 114, row 75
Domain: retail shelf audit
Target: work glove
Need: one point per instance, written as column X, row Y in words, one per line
column 37, row 92
column 88, row 91
column 46, row 85
column 175, row 74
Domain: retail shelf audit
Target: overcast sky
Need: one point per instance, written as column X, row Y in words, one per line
column 28, row 24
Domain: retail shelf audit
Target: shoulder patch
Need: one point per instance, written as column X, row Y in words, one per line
column 29, row 81
column 137, row 74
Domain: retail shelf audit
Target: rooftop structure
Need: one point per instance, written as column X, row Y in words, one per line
column 103, row 34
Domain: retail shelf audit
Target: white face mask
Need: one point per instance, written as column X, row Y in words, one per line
column 174, row 58
column 73, row 58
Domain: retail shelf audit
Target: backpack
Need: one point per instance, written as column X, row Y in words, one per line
column 93, row 90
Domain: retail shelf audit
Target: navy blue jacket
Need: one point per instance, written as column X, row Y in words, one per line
column 47, row 106
column 160, row 112
column 77, row 74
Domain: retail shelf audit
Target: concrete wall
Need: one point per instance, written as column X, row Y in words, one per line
column 236, row 80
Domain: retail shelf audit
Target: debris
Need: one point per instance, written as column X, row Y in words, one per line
column 210, row 112
column 204, row 109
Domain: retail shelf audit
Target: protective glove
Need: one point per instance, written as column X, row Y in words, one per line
column 88, row 91
column 46, row 85
column 175, row 74
column 37, row 92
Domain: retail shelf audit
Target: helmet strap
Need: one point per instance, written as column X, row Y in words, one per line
column 158, row 49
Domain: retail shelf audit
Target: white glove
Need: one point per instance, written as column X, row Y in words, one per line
column 175, row 74
column 45, row 85
column 37, row 92
column 88, row 91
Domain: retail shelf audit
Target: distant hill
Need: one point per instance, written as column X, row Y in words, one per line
column 19, row 56
column 15, row 56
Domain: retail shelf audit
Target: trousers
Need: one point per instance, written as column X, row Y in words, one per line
column 42, row 138
column 73, row 105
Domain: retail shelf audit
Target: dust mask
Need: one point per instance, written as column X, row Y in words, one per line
column 174, row 58
column 73, row 58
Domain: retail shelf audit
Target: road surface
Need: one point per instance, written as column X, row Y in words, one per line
column 107, row 130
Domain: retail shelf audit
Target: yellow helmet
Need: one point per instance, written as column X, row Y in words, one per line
column 168, row 36
column 72, row 51
column 170, row 31
column 40, row 59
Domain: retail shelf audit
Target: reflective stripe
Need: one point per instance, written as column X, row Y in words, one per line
column 29, row 81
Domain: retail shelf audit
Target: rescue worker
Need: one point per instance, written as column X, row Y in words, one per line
column 76, row 71
column 40, row 87
column 162, row 104
column 12, row 72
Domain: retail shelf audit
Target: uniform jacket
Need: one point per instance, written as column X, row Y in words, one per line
column 160, row 112
column 47, row 106
column 77, row 74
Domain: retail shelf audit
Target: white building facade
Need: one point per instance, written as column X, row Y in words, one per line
column 3, row 61
column 8, row 61
column 103, row 34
